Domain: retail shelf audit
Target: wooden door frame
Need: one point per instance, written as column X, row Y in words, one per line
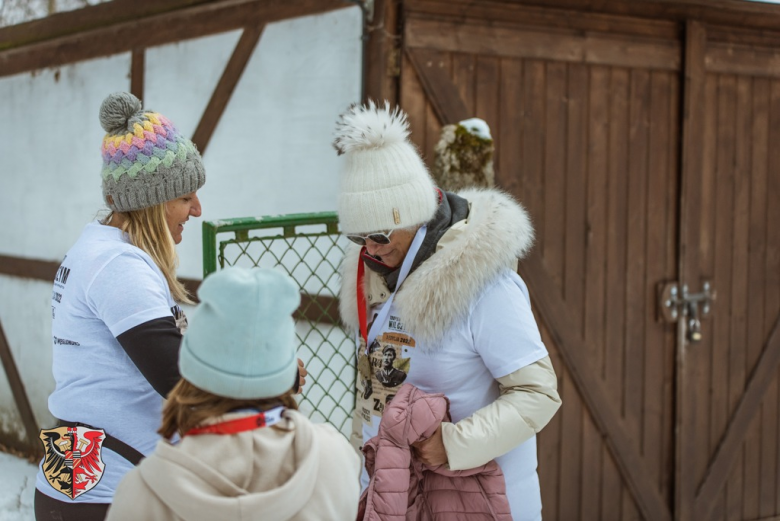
column 693, row 500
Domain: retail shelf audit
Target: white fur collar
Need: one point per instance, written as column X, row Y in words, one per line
column 498, row 233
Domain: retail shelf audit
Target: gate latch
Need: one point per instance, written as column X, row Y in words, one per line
column 675, row 302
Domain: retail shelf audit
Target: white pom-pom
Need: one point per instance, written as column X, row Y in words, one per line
column 365, row 127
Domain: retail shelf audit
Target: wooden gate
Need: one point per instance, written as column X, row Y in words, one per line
column 587, row 113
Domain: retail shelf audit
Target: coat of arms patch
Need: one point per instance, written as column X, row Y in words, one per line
column 72, row 460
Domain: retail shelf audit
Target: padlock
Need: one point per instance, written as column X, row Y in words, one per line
column 694, row 330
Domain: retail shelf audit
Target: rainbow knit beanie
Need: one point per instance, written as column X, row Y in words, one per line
column 145, row 160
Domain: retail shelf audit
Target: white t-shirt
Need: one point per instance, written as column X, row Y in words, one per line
column 498, row 337
column 104, row 287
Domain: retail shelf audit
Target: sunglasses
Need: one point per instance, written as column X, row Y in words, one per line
column 378, row 237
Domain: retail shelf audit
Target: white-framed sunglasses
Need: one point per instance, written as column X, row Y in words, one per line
column 377, row 237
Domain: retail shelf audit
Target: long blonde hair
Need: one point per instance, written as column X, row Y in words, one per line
column 148, row 230
column 188, row 406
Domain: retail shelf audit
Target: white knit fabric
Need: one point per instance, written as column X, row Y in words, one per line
column 384, row 185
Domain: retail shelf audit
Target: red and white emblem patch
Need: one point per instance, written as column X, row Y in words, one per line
column 72, row 463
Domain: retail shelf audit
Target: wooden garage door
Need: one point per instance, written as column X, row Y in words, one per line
column 586, row 129
column 728, row 387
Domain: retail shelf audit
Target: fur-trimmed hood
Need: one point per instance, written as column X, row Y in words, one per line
column 442, row 289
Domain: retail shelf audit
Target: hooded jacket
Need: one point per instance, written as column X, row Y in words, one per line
column 300, row 471
column 402, row 487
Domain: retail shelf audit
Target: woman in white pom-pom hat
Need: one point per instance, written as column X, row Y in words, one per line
column 431, row 277
column 245, row 451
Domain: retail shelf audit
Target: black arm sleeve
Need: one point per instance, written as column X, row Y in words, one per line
column 154, row 349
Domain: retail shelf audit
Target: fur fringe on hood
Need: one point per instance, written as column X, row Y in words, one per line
column 440, row 292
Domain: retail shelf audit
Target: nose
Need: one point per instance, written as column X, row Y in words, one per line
column 372, row 247
column 195, row 209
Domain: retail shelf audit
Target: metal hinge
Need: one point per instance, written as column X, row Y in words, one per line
column 675, row 302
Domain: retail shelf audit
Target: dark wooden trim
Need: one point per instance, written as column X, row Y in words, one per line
column 690, row 210
column 314, row 308
column 200, row 20
column 227, row 84
column 137, row 68
column 725, row 12
column 20, row 394
column 558, row 318
column 441, row 92
column 543, row 44
column 88, row 18
column 383, row 63
column 719, row 469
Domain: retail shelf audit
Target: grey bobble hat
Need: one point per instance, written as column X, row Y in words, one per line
column 241, row 341
column 145, row 160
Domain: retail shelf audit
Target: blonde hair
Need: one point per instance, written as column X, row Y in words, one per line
column 148, row 230
column 188, row 406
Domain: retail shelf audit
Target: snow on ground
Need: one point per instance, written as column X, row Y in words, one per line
column 17, row 487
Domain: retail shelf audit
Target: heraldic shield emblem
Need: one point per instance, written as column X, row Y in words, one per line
column 72, row 460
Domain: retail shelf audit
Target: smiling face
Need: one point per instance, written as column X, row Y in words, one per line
column 393, row 253
column 178, row 211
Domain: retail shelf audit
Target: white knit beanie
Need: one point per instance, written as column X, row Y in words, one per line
column 384, row 185
column 240, row 342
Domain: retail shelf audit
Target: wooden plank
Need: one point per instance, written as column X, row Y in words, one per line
column 382, row 65
column 739, row 279
column 655, row 406
column 732, row 12
column 557, row 315
column 486, row 92
column 81, row 20
column 433, row 72
column 509, row 140
column 749, row 404
column 595, row 274
column 553, row 247
column 28, row 268
column 617, row 221
column 137, row 69
column 464, row 78
column 511, row 42
column 194, row 22
column 549, row 440
column 759, row 488
column 743, row 60
column 20, row 395
column 531, row 168
column 413, row 101
column 527, row 16
column 691, row 166
column 226, row 85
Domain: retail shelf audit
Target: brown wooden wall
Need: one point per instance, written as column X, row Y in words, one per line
column 636, row 172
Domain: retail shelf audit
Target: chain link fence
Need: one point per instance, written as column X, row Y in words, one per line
column 309, row 248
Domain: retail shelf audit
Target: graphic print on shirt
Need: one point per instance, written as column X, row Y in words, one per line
column 60, row 279
column 72, row 462
column 382, row 369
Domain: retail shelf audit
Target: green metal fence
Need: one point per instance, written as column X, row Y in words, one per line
column 309, row 248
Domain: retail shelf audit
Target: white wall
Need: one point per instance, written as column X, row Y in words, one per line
column 270, row 154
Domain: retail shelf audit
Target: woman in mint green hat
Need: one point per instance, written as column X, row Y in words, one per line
column 245, row 450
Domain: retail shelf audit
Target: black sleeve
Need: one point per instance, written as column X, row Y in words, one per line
column 154, row 349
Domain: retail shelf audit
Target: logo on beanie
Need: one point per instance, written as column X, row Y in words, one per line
column 396, row 216
column 72, row 461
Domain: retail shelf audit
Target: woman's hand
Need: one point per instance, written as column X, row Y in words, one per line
column 302, row 374
column 432, row 451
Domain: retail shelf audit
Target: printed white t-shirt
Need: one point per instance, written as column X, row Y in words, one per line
column 499, row 337
column 104, row 287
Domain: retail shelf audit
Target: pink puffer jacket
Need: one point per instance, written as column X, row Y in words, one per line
column 403, row 488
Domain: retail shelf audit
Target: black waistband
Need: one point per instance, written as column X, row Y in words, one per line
column 111, row 443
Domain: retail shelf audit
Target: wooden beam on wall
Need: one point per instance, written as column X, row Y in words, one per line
column 227, row 84
column 383, row 63
column 19, row 393
column 193, row 22
column 441, row 91
column 137, row 68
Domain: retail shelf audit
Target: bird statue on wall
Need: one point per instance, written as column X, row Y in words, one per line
column 464, row 156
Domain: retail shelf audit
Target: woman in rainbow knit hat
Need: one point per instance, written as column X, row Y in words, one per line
column 116, row 321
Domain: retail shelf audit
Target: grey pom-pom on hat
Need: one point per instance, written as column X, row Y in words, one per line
column 145, row 160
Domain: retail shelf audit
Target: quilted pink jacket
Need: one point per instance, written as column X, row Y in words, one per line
column 403, row 488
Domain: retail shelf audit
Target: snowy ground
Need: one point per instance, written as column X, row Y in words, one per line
column 17, row 486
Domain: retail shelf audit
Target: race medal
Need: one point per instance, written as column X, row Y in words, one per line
column 72, row 459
